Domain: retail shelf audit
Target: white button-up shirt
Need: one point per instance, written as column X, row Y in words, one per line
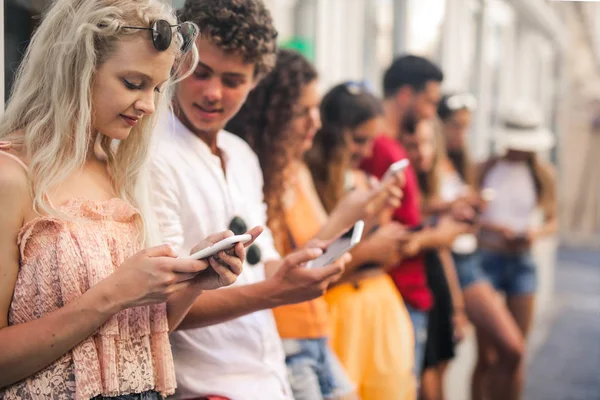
column 240, row 359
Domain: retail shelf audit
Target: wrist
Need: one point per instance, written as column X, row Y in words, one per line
column 270, row 290
column 194, row 290
column 111, row 299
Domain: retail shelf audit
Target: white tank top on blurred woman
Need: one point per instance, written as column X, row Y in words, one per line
column 515, row 201
column 452, row 187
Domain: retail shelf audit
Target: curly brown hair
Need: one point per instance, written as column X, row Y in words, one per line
column 236, row 26
column 263, row 122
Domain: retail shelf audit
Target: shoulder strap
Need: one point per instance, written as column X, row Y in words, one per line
column 5, row 147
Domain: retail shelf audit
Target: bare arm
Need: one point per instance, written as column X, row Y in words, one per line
column 223, row 272
column 218, row 306
column 362, row 254
column 433, row 238
column 290, row 283
column 27, row 348
column 437, row 206
column 550, row 225
column 452, row 279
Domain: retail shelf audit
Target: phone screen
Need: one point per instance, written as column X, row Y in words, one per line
column 342, row 245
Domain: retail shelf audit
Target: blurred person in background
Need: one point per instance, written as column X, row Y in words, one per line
column 372, row 332
column 447, row 320
column 523, row 184
column 411, row 88
column 279, row 121
column 460, row 196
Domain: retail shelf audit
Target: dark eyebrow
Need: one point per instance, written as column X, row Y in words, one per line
column 201, row 64
column 228, row 74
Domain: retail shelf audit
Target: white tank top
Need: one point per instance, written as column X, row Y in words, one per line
column 452, row 186
column 516, row 201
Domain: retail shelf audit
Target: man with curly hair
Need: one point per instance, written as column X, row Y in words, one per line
column 208, row 180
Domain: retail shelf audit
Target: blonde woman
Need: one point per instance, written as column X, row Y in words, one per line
column 84, row 312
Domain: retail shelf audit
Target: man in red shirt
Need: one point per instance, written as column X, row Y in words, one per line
column 412, row 90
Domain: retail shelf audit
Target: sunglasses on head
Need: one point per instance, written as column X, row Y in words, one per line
column 162, row 34
column 238, row 226
column 461, row 101
column 357, row 87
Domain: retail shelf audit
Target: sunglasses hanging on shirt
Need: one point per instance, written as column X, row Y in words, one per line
column 238, row 226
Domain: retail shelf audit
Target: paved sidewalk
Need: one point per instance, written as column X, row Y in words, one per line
column 566, row 366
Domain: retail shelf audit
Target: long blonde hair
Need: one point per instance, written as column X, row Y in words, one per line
column 51, row 100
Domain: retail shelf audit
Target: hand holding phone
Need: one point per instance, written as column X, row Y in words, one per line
column 342, row 245
column 225, row 257
column 395, row 168
column 225, row 244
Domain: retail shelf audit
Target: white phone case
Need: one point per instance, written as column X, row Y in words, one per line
column 339, row 247
column 395, row 167
column 224, row 244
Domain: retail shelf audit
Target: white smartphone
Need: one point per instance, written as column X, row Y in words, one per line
column 224, row 244
column 395, row 168
column 342, row 245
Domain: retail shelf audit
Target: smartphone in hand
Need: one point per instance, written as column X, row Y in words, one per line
column 225, row 244
column 395, row 168
column 342, row 245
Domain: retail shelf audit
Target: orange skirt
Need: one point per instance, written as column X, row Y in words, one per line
column 373, row 338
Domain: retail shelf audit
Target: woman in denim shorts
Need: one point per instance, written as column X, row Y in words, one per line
column 498, row 331
column 522, row 185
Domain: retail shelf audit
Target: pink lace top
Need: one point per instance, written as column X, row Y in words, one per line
column 60, row 260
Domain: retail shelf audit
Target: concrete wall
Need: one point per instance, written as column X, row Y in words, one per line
column 579, row 146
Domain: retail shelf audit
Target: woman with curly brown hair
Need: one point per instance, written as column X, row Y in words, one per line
column 279, row 120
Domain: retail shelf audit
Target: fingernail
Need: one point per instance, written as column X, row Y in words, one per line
column 316, row 252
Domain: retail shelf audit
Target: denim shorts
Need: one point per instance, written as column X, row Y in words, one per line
column 468, row 269
column 419, row 320
column 512, row 274
column 314, row 370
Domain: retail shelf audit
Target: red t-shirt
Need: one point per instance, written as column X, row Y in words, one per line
column 410, row 277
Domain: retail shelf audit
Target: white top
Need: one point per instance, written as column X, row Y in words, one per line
column 515, row 202
column 452, row 187
column 241, row 359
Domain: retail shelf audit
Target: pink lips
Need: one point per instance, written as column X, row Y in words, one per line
column 132, row 121
column 208, row 113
